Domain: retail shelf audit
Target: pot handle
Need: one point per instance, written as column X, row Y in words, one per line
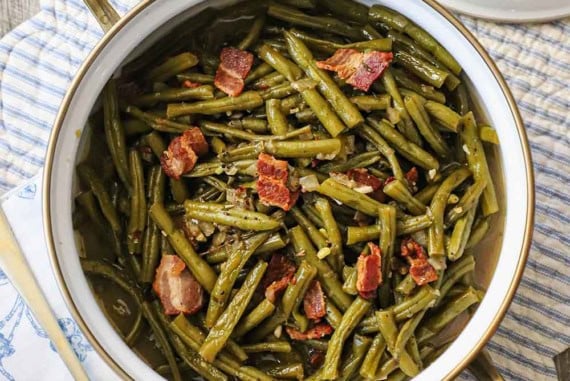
column 104, row 12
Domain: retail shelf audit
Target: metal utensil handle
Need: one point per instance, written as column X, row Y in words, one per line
column 18, row 271
column 104, row 12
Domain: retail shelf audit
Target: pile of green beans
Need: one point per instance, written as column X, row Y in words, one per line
column 416, row 115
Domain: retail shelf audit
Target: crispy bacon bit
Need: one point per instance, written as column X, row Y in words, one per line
column 314, row 302
column 421, row 270
column 361, row 176
column 358, row 69
column 368, row 270
column 272, row 183
column 317, row 332
column 182, row 153
column 280, row 272
column 191, row 85
column 412, row 177
column 235, row 64
column 178, row 290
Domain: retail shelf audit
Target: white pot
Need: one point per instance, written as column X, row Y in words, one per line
column 510, row 244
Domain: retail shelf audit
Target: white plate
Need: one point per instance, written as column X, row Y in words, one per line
column 512, row 10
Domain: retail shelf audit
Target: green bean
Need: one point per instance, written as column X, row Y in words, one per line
column 115, row 133
column 253, row 33
column 389, row 329
column 276, row 120
column 443, row 115
column 316, row 236
column 355, row 234
column 362, row 160
column 438, row 205
column 454, row 273
column 446, row 314
column 151, row 248
column 88, row 203
column 350, row 320
column 261, row 312
column 303, row 277
column 350, row 197
column 478, row 164
column 349, row 285
column 347, row 9
column 322, row 23
column 370, row 103
column 426, row 194
column 270, row 80
column 90, row 178
column 137, row 218
column 460, row 235
column 245, row 167
column 135, row 127
column 244, row 135
column 194, row 338
column 204, row 79
column 423, row 299
column 387, row 369
column 406, row 126
column 221, row 331
column 279, row 91
column 400, row 23
column 240, row 254
column 428, row 92
column 304, row 148
column 230, row 216
column 406, row 332
column 156, row 122
column 258, row 72
column 406, row 148
column 406, row 286
column 170, row 95
column 477, row 233
column 253, row 124
column 281, row 64
column 467, row 202
column 327, row 276
column 353, row 361
column 372, row 360
column 413, row 224
column 341, row 104
column 246, row 101
column 488, row 134
column 387, row 241
column 432, row 135
column 292, row 104
column 424, row 70
column 274, row 346
column 400, row 192
column 379, row 44
column 172, row 66
column 287, row 371
column 323, row 111
column 333, row 233
column 388, row 152
column 195, row 362
column 197, row 265
column 334, row 316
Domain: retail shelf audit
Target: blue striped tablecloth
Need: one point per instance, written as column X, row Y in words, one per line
column 39, row 58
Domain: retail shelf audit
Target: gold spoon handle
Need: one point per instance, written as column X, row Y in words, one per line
column 16, row 268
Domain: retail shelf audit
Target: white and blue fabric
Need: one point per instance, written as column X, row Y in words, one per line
column 38, row 60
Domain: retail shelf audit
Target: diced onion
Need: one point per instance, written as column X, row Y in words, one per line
column 309, row 183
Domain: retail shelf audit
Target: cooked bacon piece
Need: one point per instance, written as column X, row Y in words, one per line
column 280, row 273
column 317, row 332
column 358, row 69
column 361, row 176
column 421, row 270
column 272, row 183
column 368, row 271
column 314, row 302
column 235, row 65
column 412, row 177
column 191, row 85
column 178, row 290
column 182, row 153
column 316, row 358
column 268, row 166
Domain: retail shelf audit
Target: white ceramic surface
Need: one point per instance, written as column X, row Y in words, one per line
column 512, row 10
column 494, row 105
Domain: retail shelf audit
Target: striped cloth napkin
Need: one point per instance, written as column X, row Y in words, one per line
column 40, row 57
